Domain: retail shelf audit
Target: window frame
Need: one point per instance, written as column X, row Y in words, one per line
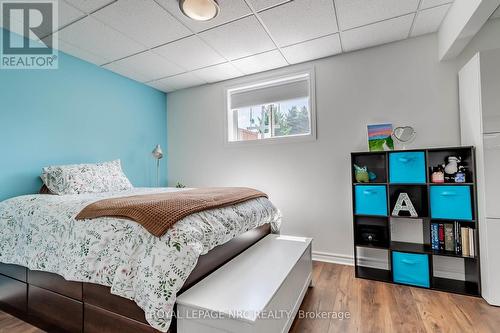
column 270, row 80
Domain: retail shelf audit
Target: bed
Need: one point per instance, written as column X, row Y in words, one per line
column 109, row 274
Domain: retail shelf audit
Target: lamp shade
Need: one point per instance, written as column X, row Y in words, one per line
column 157, row 152
column 199, row 10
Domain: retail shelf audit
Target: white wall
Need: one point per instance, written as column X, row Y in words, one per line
column 310, row 182
column 488, row 38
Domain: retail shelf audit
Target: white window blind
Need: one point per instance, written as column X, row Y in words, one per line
column 283, row 91
column 275, row 109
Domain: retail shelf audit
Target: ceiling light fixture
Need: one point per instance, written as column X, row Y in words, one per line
column 199, row 10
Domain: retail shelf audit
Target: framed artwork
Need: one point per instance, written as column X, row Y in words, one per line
column 380, row 137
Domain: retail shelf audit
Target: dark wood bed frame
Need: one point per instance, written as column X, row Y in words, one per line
column 50, row 302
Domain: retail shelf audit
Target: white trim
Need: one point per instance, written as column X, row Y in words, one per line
column 333, row 258
column 348, row 260
column 342, row 259
column 282, row 139
column 278, row 76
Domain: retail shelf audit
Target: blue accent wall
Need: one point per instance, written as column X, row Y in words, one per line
column 79, row 113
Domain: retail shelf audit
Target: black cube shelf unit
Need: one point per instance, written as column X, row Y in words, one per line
column 413, row 263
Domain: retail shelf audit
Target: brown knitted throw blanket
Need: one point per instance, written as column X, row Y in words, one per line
column 160, row 211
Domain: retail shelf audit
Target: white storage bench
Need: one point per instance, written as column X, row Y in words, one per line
column 258, row 291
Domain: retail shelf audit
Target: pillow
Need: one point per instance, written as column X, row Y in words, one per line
column 85, row 178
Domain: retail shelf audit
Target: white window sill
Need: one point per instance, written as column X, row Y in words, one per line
column 275, row 140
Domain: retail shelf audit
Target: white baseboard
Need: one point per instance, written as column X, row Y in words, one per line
column 343, row 259
column 333, row 258
column 448, row 270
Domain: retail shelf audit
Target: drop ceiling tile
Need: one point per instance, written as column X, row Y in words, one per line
column 260, row 62
column 429, row 20
column 75, row 51
column 377, row 33
column 229, row 10
column 177, row 82
column 433, row 3
column 142, row 20
column 148, row 66
column 217, row 73
column 93, row 36
column 239, row 39
column 313, row 49
column 300, row 20
column 190, row 53
column 355, row 13
column 159, row 85
column 89, row 6
column 126, row 71
column 264, row 4
column 16, row 25
column 68, row 14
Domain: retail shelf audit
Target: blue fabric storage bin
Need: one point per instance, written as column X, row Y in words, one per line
column 451, row 202
column 410, row 268
column 370, row 200
column 407, row 167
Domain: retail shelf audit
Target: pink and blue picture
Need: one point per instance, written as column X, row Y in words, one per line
column 380, row 137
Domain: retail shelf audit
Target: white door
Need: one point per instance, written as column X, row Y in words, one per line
column 492, row 174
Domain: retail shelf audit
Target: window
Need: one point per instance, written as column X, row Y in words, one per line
column 277, row 109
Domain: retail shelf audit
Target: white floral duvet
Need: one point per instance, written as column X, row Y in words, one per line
column 40, row 232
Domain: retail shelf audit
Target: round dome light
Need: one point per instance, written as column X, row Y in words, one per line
column 199, row 10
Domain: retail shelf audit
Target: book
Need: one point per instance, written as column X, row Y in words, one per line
column 435, row 236
column 441, row 237
column 449, row 239
column 472, row 251
column 465, row 241
column 458, row 238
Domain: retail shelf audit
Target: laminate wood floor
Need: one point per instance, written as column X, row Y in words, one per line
column 367, row 306
column 9, row 324
column 384, row 307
